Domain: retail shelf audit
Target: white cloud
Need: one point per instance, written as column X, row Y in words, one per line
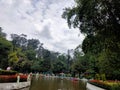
column 40, row 19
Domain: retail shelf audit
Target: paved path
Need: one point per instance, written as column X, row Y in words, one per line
column 92, row 87
column 12, row 86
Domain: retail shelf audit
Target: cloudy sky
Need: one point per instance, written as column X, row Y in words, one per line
column 40, row 19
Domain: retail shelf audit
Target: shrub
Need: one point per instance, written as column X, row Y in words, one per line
column 99, row 84
column 115, row 87
column 5, row 72
column 103, row 77
column 97, row 77
column 108, row 85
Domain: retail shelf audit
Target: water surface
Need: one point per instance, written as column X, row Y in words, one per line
column 56, row 84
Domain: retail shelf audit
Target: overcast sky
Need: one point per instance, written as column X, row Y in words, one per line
column 40, row 19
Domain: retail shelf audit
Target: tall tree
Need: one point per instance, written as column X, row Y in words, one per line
column 19, row 41
column 13, row 59
column 33, row 43
column 99, row 20
column 5, row 49
column 2, row 34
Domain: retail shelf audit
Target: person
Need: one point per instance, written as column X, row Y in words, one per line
column 8, row 68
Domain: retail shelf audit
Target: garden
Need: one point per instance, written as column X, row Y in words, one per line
column 11, row 76
column 109, row 84
column 100, row 81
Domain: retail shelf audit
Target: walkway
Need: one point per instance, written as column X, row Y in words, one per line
column 12, row 86
column 93, row 87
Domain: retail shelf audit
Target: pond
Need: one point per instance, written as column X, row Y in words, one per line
column 46, row 83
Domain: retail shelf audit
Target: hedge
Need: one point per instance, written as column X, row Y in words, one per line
column 5, row 72
column 104, row 85
column 99, row 84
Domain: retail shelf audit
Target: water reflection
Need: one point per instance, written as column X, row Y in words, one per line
column 27, row 88
column 56, row 84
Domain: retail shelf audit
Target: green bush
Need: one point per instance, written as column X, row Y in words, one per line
column 115, row 87
column 103, row 77
column 5, row 72
column 100, row 84
column 97, row 77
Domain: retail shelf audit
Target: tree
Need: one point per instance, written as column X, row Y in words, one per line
column 99, row 21
column 33, row 44
column 84, row 63
column 40, row 51
column 19, row 41
column 13, row 59
column 47, row 64
column 5, row 49
column 26, row 66
column 59, row 67
column 2, row 34
column 97, row 18
column 30, row 54
column 93, row 16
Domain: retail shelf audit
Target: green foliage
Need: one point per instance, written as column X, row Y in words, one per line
column 19, row 41
column 26, row 55
column 59, row 67
column 92, row 44
column 37, row 66
column 31, row 54
column 5, row 49
column 33, row 44
column 108, row 66
column 33, row 57
column 115, row 87
column 100, row 84
column 106, row 85
column 99, row 21
column 13, row 59
column 103, row 77
column 85, row 64
column 26, row 66
column 81, row 63
column 97, row 77
column 5, row 72
column 2, row 34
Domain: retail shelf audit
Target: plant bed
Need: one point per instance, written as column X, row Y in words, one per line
column 5, row 72
column 108, row 85
column 12, row 78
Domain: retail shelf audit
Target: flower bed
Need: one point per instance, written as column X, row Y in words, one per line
column 109, row 85
column 12, row 78
column 99, row 84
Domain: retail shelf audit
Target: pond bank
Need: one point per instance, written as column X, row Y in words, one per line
column 14, row 86
column 93, row 87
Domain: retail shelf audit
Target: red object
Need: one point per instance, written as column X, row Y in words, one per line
column 12, row 78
